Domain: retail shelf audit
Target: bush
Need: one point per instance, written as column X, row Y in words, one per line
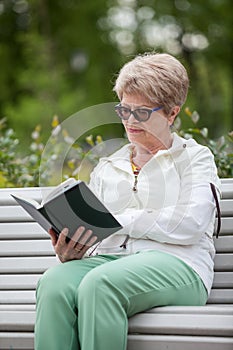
column 222, row 148
column 33, row 169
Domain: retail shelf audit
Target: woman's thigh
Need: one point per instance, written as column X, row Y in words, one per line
column 65, row 278
column 145, row 280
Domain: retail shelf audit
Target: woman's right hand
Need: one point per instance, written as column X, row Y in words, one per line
column 76, row 247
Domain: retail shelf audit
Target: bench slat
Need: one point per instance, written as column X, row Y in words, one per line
column 18, row 321
column 220, row 325
column 20, row 215
column 227, row 188
column 17, row 341
column 32, row 230
column 226, row 226
column 223, row 262
column 176, row 342
column 26, row 248
column 208, row 309
column 224, row 244
column 17, row 307
column 221, row 296
column 146, row 323
column 17, row 297
column 26, row 265
column 217, row 296
column 29, row 281
column 44, row 247
column 22, row 281
column 223, row 280
column 14, row 214
column 25, row 341
column 22, row 230
column 226, row 207
column 36, row 193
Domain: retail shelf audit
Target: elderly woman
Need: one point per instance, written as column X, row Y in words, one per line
column 158, row 187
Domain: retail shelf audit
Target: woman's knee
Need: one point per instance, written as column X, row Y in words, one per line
column 98, row 285
column 52, row 283
column 91, row 284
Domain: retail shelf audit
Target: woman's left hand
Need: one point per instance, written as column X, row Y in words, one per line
column 76, row 247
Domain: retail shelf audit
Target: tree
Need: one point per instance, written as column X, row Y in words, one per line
column 61, row 64
column 199, row 33
column 61, row 56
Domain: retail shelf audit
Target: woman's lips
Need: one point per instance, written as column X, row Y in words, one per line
column 134, row 131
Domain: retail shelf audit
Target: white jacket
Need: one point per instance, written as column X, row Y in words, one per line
column 173, row 209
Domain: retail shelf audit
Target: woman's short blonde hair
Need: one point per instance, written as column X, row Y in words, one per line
column 159, row 77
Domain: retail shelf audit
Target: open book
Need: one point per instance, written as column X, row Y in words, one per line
column 72, row 204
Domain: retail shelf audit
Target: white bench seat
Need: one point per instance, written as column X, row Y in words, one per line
column 26, row 252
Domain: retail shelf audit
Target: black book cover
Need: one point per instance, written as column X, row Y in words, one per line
column 76, row 206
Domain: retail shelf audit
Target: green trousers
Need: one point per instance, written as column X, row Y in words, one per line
column 85, row 304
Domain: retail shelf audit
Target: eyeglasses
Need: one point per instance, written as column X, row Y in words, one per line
column 140, row 114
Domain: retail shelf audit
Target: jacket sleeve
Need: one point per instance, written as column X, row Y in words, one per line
column 185, row 222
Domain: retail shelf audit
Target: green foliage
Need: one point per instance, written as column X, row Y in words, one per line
column 58, row 57
column 222, row 148
column 54, row 59
column 17, row 171
column 35, row 169
column 38, row 168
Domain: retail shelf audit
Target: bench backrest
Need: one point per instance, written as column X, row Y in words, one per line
column 26, row 251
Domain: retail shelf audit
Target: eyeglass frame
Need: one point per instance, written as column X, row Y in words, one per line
column 149, row 111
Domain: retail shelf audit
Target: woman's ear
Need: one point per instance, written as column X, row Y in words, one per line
column 172, row 117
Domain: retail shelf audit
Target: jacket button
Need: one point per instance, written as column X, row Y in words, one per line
column 184, row 145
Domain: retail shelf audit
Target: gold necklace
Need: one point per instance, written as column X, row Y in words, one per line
column 136, row 171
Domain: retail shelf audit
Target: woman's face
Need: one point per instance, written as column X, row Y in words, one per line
column 155, row 131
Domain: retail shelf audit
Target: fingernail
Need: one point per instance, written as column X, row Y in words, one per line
column 65, row 231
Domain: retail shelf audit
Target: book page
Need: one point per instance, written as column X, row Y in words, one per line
column 59, row 189
column 26, row 200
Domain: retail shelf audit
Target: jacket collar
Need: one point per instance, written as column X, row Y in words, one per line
column 121, row 158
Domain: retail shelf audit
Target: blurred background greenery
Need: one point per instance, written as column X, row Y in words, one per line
column 60, row 56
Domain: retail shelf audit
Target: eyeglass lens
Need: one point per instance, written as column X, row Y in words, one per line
column 140, row 114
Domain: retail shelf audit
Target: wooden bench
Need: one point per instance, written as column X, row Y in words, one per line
column 26, row 252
